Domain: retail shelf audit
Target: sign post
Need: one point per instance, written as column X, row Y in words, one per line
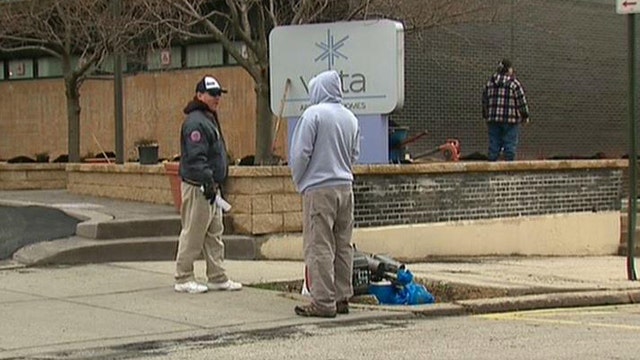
column 630, row 8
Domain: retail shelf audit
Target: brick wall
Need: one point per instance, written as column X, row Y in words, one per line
column 265, row 201
column 415, row 199
column 569, row 55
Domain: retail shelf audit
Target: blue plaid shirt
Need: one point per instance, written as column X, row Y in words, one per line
column 503, row 100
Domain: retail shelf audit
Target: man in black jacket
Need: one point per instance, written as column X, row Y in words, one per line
column 203, row 168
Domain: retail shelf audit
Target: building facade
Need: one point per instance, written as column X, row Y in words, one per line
column 571, row 57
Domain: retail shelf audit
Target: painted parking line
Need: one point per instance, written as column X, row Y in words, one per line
column 592, row 310
column 554, row 316
column 596, row 310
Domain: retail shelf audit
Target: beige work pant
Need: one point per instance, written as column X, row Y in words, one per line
column 327, row 226
column 201, row 233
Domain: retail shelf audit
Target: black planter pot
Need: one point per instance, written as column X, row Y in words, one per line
column 148, row 155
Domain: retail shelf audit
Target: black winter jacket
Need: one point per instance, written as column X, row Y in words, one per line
column 203, row 157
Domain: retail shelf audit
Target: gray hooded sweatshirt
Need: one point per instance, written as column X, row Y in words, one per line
column 326, row 140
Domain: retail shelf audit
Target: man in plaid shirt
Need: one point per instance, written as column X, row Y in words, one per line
column 504, row 107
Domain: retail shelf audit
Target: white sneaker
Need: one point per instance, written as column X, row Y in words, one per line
column 190, row 287
column 227, row 285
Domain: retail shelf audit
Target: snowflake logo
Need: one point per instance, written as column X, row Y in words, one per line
column 331, row 50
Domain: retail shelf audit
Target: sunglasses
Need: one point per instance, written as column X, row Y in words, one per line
column 215, row 92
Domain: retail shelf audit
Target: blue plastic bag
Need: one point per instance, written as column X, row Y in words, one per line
column 403, row 291
column 410, row 293
column 414, row 294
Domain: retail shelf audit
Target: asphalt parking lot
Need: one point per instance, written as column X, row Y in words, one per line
column 24, row 225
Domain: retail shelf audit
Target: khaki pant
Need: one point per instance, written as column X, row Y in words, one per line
column 327, row 227
column 201, row 233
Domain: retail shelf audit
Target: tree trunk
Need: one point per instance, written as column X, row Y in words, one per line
column 264, row 122
column 73, row 117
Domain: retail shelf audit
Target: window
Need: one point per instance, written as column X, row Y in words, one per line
column 21, row 69
column 165, row 59
column 108, row 65
column 205, row 55
column 243, row 50
column 1, row 70
column 49, row 66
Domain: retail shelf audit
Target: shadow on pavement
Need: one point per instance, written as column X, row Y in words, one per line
column 24, row 225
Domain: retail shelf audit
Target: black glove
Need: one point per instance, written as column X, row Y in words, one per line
column 209, row 191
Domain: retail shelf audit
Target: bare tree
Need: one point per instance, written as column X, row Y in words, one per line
column 80, row 33
column 424, row 14
column 249, row 22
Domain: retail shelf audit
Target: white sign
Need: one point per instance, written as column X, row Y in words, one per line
column 627, row 6
column 368, row 55
column 165, row 57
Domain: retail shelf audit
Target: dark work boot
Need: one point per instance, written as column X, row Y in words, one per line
column 312, row 311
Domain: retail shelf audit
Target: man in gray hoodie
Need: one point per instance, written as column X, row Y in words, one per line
column 324, row 147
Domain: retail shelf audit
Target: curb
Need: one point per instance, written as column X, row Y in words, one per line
column 98, row 225
column 101, row 238
column 551, row 300
column 505, row 304
column 430, row 310
column 517, row 303
column 79, row 250
column 10, row 265
column 130, row 228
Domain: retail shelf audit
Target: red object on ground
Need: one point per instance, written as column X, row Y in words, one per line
column 451, row 150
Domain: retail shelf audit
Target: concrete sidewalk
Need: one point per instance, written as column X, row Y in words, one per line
column 102, row 305
column 109, row 304
column 56, row 309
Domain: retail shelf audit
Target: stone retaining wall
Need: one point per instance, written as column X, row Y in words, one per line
column 265, row 201
column 263, row 198
column 130, row 181
column 32, row 176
